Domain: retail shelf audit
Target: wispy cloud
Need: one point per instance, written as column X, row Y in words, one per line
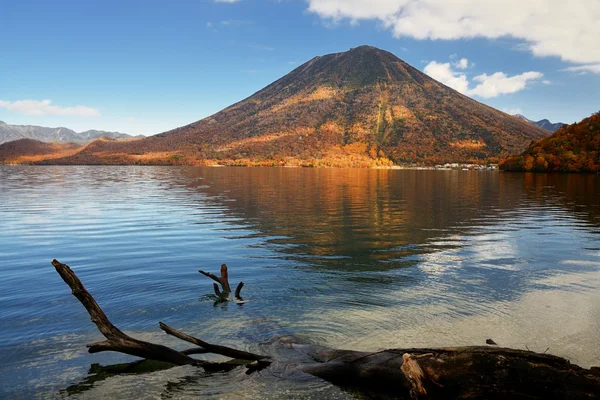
column 226, row 1
column 45, row 107
column 584, row 69
column 261, row 47
column 486, row 86
column 236, row 22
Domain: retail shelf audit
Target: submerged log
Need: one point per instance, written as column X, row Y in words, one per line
column 476, row 372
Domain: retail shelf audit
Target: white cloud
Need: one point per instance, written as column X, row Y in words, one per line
column 45, row 107
column 463, row 63
column 226, row 1
column 567, row 29
column 443, row 72
column 499, row 83
column 583, row 69
column 487, row 86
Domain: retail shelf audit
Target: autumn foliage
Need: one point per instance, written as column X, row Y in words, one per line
column 573, row 148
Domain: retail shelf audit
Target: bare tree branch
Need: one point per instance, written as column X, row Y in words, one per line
column 212, row 348
column 116, row 339
column 238, row 290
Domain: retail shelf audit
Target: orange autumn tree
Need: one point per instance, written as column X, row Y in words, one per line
column 573, row 148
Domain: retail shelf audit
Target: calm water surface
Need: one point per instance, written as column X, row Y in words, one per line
column 362, row 259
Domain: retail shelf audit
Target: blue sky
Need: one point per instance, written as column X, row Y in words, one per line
column 144, row 67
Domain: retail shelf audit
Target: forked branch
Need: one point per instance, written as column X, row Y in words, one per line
column 118, row 341
column 224, row 281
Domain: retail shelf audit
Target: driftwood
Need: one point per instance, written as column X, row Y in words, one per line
column 224, row 281
column 122, row 343
column 476, row 372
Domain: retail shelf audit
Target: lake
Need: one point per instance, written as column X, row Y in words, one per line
column 348, row 258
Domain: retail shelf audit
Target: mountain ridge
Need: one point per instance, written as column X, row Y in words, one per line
column 9, row 132
column 543, row 123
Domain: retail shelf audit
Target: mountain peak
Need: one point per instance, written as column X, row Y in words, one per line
column 365, row 48
column 521, row 116
column 353, row 69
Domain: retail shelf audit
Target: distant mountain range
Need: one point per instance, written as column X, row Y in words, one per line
column 362, row 107
column 572, row 148
column 9, row 133
column 543, row 123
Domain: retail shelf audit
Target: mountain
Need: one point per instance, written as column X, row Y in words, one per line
column 572, row 148
column 543, row 123
column 14, row 132
column 549, row 126
column 362, row 107
column 523, row 118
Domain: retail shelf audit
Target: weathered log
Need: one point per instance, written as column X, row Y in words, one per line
column 477, row 372
column 120, row 342
column 224, row 281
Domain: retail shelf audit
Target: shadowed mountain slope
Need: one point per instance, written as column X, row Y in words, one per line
column 363, row 107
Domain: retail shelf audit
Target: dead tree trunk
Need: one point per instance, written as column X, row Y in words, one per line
column 476, row 372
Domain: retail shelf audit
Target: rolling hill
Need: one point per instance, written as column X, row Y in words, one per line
column 362, row 107
column 30, row 151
